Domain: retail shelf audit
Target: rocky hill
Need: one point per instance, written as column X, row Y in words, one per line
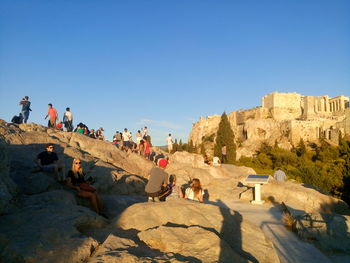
column 42, row 220
column 284, row 118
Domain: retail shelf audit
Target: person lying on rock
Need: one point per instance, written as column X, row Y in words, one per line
column 195, row 192
column 76, row 180
column 48, row 162
column 157, row 181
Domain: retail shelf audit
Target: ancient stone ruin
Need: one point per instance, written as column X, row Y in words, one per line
column 282, row 117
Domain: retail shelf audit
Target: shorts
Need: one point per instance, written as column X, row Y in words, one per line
column 48, row 168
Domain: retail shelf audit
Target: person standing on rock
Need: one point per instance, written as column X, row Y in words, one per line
column 48, row 162
column 68, row 120
column 25, row 108
column 170, row 143
column 52, row 112
column 157, row 182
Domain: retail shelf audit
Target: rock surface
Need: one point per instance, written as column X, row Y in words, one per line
column 226, row 230
column 43, row 221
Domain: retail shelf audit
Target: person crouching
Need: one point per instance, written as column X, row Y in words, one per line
column 157, row 181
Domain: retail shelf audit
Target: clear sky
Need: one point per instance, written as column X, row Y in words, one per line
column 163, row 64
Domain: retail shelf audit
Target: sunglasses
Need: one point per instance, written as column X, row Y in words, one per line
column 77, row 163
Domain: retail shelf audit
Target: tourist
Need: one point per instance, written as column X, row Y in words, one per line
column 216, row 161
column 138, row 137
column 145, row 131
column 157, row 182
column 147, row 148
column 170, row 143
column 195, row 192
column 68, row 120
column 52, row 113
column 224, row 154
column 126, row 138
column 117, row 138
column 48, row 162
column 92, row 134
column 76, row 180
column 206, row 160
column 25, row 108
column 80, row 128
column 175, row 190
column 59, row 126
column 158, row 157
column 141, row 147
column 99, row 134
column 279, row 175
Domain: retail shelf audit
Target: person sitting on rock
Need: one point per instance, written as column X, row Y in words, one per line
column 195, row 192
column 206, row 160
column 216, row 161
column 92, row 134
column 48, row 162
column 175, row 190
column 76, row 180
column 157, row 182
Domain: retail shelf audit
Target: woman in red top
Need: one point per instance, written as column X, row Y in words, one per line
column 147, row 147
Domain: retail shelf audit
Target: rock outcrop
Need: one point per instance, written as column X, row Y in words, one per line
column 44, row 221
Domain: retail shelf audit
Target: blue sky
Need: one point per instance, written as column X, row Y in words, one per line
column 164, row 64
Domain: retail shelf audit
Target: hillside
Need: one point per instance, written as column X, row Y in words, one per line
column 42, row 220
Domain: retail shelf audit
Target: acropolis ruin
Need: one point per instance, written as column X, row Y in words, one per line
column 284, row 118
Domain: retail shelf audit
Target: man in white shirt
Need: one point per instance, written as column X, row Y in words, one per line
column 126, row 138
column 170, row 143
column 68, row 120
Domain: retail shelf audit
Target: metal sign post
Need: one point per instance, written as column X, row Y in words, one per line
column 257, row 180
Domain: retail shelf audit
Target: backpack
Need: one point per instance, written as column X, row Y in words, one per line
column 17, row 119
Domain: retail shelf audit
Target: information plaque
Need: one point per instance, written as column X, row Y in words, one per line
column 257, row 180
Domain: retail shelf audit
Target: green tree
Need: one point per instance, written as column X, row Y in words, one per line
column 190, row 147
column 225, row 136
column 175, row 146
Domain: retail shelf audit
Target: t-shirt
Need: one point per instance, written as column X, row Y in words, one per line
column 52, row 113
column 216, row 161
column 47, row 158
column 190, row 194
column 126, row 136
column 67, row 116
column 157, row 178
column 25, row 105
column 76, row 178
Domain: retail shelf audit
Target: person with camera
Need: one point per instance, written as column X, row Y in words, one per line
column 25, row 108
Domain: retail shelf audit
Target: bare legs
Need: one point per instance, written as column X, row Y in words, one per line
column 94, row 200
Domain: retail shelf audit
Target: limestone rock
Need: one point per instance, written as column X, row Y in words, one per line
column 299, row 197
column 196, row 242
column 185, row 158
column 7, row 187
column 330, row 231
column 244, row 238
column 48, row 229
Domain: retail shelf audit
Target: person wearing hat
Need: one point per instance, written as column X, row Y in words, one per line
column 157, row 181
